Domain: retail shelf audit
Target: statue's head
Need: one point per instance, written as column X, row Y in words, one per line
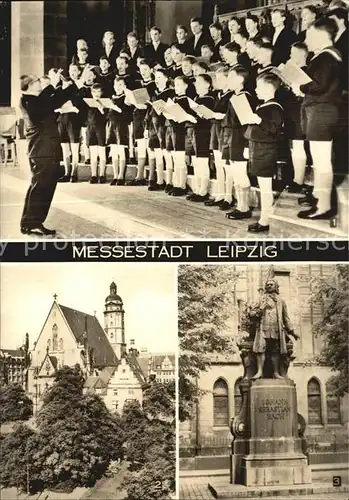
column 271, row 286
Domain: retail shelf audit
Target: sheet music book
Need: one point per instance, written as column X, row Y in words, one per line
column 175, row 112
column 138, row 96
column 67, row 107
column 107, row 102
column 92, row 103
column 203, row 110
column 242, row 108
column 159, row 106
column 291, row 74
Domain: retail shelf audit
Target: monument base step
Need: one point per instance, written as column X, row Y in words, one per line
column 221, row 488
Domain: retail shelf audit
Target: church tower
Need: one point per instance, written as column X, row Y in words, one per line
column 114, row 321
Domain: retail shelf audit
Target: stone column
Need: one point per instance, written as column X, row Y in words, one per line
column 27, row 43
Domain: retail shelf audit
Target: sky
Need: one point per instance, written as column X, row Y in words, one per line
column 148, row 291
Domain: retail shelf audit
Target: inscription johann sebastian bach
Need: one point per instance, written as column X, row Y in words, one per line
column 274, row 408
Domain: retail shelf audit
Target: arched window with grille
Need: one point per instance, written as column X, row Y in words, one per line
column 314, row 402
column 220, row 404
column 333, row 405
column 237, row 397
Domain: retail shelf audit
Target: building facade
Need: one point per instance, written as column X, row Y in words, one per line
column 208, row 435
column 13, row 368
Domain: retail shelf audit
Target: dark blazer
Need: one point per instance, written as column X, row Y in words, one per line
column 41, row 121
column 282, row 47
column 184, row 45
column 156, row 55
column 112, row 56
column 216, row 49
column 132, row 65
column 203, row 40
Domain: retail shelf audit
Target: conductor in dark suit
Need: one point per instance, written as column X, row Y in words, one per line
column 44, row 148
column 283, row 38
column 198, row 39
column 156, row 49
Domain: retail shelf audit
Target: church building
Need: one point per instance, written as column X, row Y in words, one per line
column 70, row 337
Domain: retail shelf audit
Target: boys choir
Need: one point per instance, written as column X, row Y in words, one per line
column 222, row 106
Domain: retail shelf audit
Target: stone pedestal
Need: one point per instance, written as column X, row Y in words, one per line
column 269, row 451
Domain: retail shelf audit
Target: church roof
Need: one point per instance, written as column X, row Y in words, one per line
column 144, row 365
column 136, row 368
column 96, row 338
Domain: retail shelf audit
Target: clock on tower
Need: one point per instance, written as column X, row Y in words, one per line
column 114, row 323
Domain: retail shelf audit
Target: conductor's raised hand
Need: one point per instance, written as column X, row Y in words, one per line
column 55, row 76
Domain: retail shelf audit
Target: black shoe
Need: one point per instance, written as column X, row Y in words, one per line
column 154, row 186
column 114, row 182
column 226, row 205
column 102, row 179
column 65, row 178
column 308, row 201
column 199, row 198
column 151, row 185
column 39, row 230
column 258, row 228
column 310, row 214
column 213, row 203
column 295, row 188
column 120, row 182
column 190, row 196
column 237, row 215
column 178, row 192
column 93, row 180
column 136, row 182
column 74, row 178
column 168, row 188
column 87, row 162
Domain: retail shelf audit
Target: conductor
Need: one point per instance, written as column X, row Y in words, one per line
column 38, row 106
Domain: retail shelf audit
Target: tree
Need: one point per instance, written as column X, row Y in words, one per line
column 205, row 295
column 13, row 457
column 332, row 295
column 149, row 438
column 14, row 404
column 78, row 436
column 76, row 439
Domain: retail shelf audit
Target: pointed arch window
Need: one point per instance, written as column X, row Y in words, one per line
column 333, row 405
column 237, row 397
column 55, row 337
column 314, row 402
column 220, row 404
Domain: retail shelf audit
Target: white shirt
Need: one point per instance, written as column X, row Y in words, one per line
column 277, row 33
column 156, row 45
column 108, row 50
column 196, row 39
